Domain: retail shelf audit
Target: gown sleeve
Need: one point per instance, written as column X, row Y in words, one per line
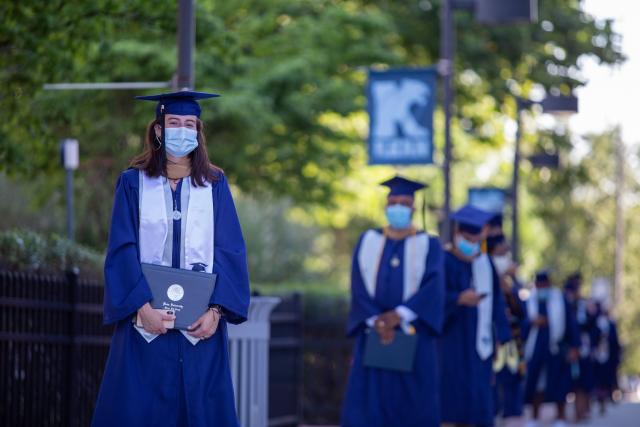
column 428, row 302
column 126, row 289
column 230, row 257
column 503, row 330
column 362, row 305
column 452, row 293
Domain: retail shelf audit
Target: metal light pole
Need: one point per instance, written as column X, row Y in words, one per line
column 70, row 157
column 552, row 105
column 486, row 11
column 446, row 40
column 184, row 78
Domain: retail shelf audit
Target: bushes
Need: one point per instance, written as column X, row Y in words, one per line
column 31, row 251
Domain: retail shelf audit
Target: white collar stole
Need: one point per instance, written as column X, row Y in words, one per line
column 416, row 249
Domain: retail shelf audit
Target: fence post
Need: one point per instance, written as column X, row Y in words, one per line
column 72, row 281
column 249, row 359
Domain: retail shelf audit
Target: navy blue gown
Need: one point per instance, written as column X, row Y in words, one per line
column 555, row 366
column 509, row 387
column 606, row 372
column 169, row 381
column 586, row 324
column 384, row 398
column 466, row 380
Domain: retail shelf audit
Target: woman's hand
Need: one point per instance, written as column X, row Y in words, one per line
column 153, row 320
column 207, row 325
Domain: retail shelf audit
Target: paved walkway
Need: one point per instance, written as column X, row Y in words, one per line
column 626, row 414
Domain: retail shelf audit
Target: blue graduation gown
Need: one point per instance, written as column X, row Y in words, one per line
column 168, row 381
column 606, row 373
column 588, row 336
column 557, row 368
column 509, row 386
column 466, row 380
column 384, row 398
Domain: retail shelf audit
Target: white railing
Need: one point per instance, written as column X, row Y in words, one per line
column 249, row 358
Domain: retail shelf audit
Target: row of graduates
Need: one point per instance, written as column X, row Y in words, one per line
column 480, row 348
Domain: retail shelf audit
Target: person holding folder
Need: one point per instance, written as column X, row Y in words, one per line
column 172, row 208
column 397, row 302
column 475, row 321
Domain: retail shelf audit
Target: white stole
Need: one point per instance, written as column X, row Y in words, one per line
column 483, row 284
column 416, row 249
column 154, row 229
column 555, row 321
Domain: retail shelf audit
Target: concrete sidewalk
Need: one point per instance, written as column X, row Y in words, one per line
column 625, row 414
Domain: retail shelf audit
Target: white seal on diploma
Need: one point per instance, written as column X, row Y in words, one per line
column 175, row 292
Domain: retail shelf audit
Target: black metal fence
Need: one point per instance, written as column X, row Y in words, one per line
column 53, row 348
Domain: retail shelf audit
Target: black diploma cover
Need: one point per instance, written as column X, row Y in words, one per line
column 396, row 356
column 184, row 292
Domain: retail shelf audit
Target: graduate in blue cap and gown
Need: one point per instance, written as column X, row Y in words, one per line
column 475, row 321
column 171, row 208
column 509, row 364
column 607, row 356
column 397, row 283
column 551, row 348
column 585, row 314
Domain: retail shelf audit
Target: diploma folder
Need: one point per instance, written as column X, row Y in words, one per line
column 396, row 356
column 184, row 292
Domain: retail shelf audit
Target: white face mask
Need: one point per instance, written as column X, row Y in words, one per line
column 502, row 263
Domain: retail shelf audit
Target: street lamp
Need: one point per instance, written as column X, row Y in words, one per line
column 70, row 159
column 486, row 11
column 553, row 104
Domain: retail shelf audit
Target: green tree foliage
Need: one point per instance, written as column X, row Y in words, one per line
column 571, row 225
column 281, row 65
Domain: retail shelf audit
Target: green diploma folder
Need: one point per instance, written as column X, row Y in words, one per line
column 396, row 356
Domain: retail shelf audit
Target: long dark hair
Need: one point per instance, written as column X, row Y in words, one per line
column 153, row 160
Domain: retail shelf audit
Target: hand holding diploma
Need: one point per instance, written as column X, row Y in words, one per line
column 153, row 321
column 206, row 326
column 386, row 324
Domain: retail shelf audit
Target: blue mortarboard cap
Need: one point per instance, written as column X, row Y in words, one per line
column 402, row 186
column 471, row 219
column 542, row 276
column 496, row 221
column 183, row 103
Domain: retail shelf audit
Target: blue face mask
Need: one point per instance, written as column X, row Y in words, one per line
column 543, row 293
column 466, row 247
column 399, row 216
column 181, row 141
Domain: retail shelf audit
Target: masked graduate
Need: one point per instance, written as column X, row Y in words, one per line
column 397, row 302
column 585, row 314
column 607, row 357
column 475, row 321
column 551, row 348
column 172, row 208
column 509, row 364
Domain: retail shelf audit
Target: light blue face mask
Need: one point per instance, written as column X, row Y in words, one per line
column 181, row 141
column 543, row 293
column 399, row 216
column 466, row 247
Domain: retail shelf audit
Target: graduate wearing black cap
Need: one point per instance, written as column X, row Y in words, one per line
column 475, row 321
column 550, row 349
column 397, row 287
column 171, row 208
